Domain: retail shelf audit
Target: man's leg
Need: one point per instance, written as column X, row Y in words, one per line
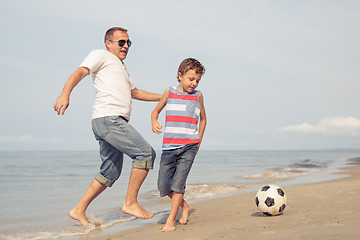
column 110, row 170
column 131, row 205
column 79, row 211
column 124, row 137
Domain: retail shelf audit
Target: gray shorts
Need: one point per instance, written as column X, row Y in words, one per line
column 174, row 169
column 117, row 137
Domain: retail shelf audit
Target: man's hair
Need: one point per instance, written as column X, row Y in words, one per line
column 109, row 33
column 190, row 64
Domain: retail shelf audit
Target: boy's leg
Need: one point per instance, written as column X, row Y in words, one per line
column 131, row 205
column 184, row 161
column 185, row 210
column 176, row 201
column 78, row 212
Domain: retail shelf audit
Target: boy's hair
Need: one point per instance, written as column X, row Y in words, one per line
column 109, row 33
column 190, row 64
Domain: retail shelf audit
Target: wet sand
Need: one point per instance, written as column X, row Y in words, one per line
column 319, row 211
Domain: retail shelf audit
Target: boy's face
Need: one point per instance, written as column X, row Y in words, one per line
column 189, row 81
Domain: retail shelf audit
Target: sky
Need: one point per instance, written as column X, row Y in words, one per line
column 280, row 75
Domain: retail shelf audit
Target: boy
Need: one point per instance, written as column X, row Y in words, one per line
column 182, row 137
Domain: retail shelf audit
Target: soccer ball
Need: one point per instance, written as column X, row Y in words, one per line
column 271, row 200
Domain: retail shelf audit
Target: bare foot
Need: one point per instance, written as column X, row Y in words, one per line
column 79, row 217
column 169, row 226
column 185, row 214
column 136, row 211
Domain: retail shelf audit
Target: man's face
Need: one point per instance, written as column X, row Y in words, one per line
column 113, row 44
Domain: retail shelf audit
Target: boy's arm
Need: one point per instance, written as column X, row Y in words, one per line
column 62, row 102
column 202, row 123
column 142, row 95
column 155, row 125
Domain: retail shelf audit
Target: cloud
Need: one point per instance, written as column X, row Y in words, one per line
column 27, row 142
column 338, row 126
column 16, row 139
column 27, row 138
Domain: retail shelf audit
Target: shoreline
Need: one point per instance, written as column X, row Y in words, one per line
column 323, row 210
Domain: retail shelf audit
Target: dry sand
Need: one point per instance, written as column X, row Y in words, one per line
column 317, row 211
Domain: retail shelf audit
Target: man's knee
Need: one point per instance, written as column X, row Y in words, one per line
column 146, row 161
column 103, row 180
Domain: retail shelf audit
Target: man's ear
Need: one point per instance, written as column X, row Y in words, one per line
column 107, row 43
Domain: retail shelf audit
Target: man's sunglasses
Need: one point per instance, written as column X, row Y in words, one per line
column 122, row 42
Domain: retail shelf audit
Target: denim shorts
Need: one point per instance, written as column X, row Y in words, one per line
column 174, row 169
column 117, row 137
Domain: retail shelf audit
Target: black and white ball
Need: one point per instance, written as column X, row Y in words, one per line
column 271, row 200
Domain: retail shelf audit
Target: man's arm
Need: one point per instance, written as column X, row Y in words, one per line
column 142, row 95
column 62, row 102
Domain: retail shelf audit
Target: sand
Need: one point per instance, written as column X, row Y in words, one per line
column 325, row 210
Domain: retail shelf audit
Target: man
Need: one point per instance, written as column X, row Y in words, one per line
column 111, row 113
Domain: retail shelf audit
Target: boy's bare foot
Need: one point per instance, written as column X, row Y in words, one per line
column 169, row 226
column 79, row 217
column 185, row 214
column 136, row 211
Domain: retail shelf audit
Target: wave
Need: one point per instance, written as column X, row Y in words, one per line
column 293, row 170
column 42, row 235
column 308, row 164
column 354, row 161
column 111, row 217
column 66, row 232
column 197, row 191
column 202, row 191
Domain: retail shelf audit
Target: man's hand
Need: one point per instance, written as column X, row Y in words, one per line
column 61, row 104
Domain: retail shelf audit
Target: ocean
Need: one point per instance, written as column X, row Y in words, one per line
column 39, row 188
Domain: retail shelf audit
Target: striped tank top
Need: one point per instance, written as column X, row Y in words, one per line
column 181, row 119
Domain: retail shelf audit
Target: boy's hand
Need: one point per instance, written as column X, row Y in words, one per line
column 156, row 126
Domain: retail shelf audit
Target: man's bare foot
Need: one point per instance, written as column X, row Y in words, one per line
column 136, row 211
column 185, row 214
column 79, row 217
column 169, row 226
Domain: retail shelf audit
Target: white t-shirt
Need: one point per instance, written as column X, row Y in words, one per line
column 112, row 83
